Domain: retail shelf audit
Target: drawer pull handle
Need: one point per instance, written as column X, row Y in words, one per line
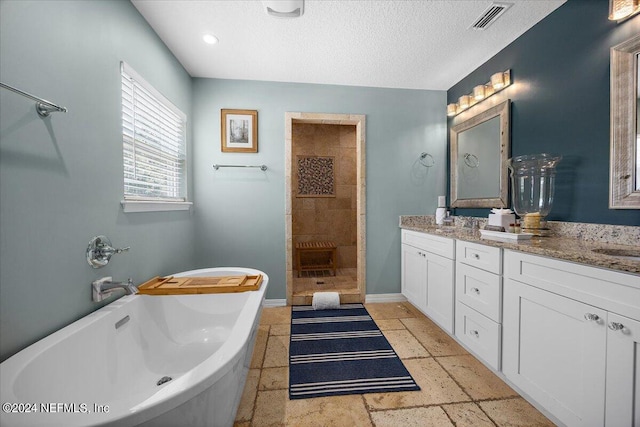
column 476, row 256
column 476, row 291
column 475, row 333
column 615, row 326
column 592, row 317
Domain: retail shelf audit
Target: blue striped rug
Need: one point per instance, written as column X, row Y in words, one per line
column 336, row 352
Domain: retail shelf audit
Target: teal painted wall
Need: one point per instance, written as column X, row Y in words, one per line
column 560, row 104
column 240, row 214
column 61, row 178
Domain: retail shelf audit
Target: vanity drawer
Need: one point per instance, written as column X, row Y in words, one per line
column 481, row 256
column 479, row 290
column 442, row 246
column 480, row 334
column 611, row 290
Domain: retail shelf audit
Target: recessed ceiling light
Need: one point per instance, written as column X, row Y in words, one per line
column 210, row 39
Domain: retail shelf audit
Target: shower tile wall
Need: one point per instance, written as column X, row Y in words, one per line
column 327, row 218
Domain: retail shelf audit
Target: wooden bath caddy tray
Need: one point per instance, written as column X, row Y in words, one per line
column 200, row 285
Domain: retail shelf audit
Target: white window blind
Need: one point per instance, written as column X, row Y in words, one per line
column 154, row 143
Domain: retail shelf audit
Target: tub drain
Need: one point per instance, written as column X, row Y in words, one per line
column 163, row 380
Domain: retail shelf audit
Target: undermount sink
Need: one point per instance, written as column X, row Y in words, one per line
column 620, row 253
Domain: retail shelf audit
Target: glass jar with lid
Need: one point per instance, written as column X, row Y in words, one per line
column 532, row 186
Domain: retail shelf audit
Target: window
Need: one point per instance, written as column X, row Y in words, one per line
column 154, row 148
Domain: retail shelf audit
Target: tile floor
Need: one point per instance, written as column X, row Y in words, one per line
column 322, row 280
column 457, row 390
column 344, row 282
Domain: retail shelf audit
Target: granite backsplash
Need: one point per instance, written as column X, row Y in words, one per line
column 602, row 233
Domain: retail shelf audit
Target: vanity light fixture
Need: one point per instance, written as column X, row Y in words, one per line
column 464, row 102
column 623, row 9
column 478, row 92
column 498, row 82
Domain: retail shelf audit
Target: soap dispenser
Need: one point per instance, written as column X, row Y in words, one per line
column 441, row 211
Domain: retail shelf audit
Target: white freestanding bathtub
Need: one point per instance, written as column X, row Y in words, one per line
column 105, row 368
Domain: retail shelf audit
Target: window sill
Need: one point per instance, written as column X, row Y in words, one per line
column 130, row 206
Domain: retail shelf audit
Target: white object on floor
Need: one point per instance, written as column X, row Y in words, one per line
column 325, row 300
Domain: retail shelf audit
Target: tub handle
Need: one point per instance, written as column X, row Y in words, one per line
column 100, row 251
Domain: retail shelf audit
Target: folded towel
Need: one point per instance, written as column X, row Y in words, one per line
column 325, row 300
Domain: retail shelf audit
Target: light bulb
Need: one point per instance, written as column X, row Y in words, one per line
column 464, row 101
column 497, row 81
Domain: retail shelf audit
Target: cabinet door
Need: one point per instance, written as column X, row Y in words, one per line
column 414, row 276
column 554, row 349
column 440, row 291
column 623, row 372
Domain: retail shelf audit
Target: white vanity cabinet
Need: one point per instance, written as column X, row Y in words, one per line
column 479, row 300
column 427, row 275
column 622, row 398
column 570, row 339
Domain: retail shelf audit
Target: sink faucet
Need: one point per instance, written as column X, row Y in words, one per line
column 102, row 288
column 472, row 224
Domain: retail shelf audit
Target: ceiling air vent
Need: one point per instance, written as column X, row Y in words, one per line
column 490, row 15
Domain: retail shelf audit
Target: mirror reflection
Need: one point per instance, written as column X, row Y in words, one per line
column 638, row 122
column 479, row 161
column 479, row 150
column 624, row 178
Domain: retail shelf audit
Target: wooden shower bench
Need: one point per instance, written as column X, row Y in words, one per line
column 315, row 247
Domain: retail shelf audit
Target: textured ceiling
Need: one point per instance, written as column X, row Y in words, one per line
column 413, row 44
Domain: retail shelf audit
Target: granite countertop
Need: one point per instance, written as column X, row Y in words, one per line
column 561, row 247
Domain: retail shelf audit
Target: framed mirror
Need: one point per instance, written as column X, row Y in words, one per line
column 479, row 153
column 624, row 176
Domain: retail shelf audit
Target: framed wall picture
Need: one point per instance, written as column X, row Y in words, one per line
column 239, row 131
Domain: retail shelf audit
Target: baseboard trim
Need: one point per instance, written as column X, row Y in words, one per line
column 274, row 302
column 385, row 298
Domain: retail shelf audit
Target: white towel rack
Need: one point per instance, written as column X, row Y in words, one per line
column 43, row 107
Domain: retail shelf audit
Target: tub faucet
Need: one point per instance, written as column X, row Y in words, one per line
column 102, row 288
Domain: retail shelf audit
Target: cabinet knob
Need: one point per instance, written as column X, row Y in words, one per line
column 475, row 333
column 475, row 290
column 592, row 317
column 615, row 326
column 476, row 256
